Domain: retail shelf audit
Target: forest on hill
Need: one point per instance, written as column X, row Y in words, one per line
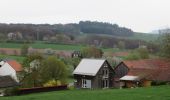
column 70, row 29
column 99, row 34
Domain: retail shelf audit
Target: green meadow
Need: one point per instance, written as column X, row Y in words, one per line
column 149, row 93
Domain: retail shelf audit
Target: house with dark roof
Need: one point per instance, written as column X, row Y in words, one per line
column 93, row 73
column 7, row 82
column 144, row 72
column 10, row 67
column 76, row 54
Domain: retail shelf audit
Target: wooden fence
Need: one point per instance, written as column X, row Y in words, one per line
column 41, row 89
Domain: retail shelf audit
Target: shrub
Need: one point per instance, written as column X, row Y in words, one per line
column 11, row 91
column 52, row 83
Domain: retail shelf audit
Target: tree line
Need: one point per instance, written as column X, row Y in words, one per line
column 39, row 31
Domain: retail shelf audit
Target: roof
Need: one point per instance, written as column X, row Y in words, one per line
column 151, row 69
column 89, row 67
column 7, row 81
column 15, row 65
column 148, row 63
column 130, row 78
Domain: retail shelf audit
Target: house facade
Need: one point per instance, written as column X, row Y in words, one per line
column 76, row 54
column 93, row 74
column 119, row 71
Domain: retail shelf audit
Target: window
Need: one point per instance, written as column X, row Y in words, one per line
column 105, row 65
column 86, row 83
column 105, row 83
column 105, row 72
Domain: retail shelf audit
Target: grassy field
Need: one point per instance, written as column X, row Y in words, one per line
column 17, row 58
column 144, row 36
column 137, row 36
column 41, row 45
column 151, row 93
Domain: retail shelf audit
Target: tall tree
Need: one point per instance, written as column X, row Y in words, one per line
column 24, row 49
column 94, row 52
column 30, row 77
column 53, row 69
column 165, row 44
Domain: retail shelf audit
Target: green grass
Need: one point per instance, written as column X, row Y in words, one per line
column 137, row 36
column 17, row 58
column 41, row 45
column 144, row 36
column 151, row 93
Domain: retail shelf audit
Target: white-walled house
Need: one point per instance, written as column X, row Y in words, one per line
column 10, row 68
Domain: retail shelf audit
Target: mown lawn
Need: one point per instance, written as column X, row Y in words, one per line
column 151, row 93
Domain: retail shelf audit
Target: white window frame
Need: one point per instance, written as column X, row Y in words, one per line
column 105, row 83
column 86, row 83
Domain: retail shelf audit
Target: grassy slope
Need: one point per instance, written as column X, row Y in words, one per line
column 136, row 36
column 152, row 93
column 144, row 36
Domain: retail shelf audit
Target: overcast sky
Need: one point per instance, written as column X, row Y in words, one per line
column 139, row 15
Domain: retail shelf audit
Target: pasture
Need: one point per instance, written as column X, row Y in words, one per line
column 149, row 93
column 41, row 45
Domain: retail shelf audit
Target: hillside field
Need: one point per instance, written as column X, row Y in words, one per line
column 18, row 58
column 150, row 93
column 137, row 36
column 41, row 45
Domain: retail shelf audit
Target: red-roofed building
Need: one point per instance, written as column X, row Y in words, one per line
column 10, row 67
column 15, row 65
column 146, row 71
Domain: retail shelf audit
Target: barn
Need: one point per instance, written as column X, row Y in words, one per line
column 144, row 72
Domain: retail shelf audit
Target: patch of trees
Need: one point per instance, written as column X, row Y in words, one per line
column 165, row 45
column 43, row 71
column 104, row 28
column 139, row 53
column 114, row 42
column 91, row 52
column 41, row 31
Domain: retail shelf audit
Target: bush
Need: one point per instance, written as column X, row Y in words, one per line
column 12, row 91
column 158, row 83
column 52, row 83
